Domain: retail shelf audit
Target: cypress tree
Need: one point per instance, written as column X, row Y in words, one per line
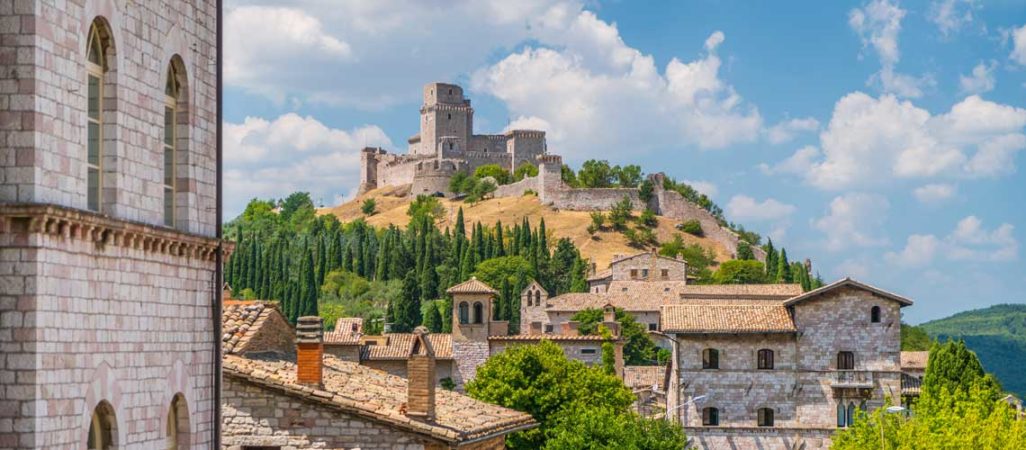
column 322, row 258
column 347, row 258
column 501, row 249
column 543, row 240
column 507, row 300
column 308, row 301
column 783, row 268
column 771, row 259
column 515, row 251
column 433, row 319
column 428, row 278
column 407, row 310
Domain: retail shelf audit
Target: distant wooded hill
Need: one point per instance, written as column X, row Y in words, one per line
column 998, row 336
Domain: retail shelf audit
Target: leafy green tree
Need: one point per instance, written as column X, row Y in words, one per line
column 953, row 367
column 369, row 207
column 698, row 258
column 432, row 317
column 406, row 312
column 525, row 170
column 638, row 348
column 646, row 190
column 628, row 176
column 297, row 202
column 604, row 428
column 595, row 174
column 914, row 338
column 481, row 190
column 501, row 176
column 461, row 183
column 569, row 177
column 495, row 271
column 541, row 381
column 648, row 218
column 621, row 213
column 425, row 206
column 744, row 251
column 740, row 272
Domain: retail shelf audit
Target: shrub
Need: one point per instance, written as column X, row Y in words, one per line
column 692, row 227
column 598, row 219
column 620, row 214
column 447, row 384
column 500, row 175
column 369, row 207
column 649, row 219
column 646, row 190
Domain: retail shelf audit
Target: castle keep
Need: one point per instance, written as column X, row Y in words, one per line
column 446, row 144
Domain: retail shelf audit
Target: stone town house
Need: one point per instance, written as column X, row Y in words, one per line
column 773, row 374
column 108, row 224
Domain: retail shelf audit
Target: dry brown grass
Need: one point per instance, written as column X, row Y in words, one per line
column 392, row 205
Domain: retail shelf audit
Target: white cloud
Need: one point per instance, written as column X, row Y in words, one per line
column 270, row 159
column 969, row 241
column 854, row 268
column 797, row 164
column 1019, row 45
column 786, row 130
column 951, row 15
column 871, row 142
column 934, row 193
column 704, row 187
column 853, row 220
column 980, row 80
column 593, row 99
column 878, row 24
column 743, row 207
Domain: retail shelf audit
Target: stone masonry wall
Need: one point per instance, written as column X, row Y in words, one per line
column 43, row 99
column 651, row 264
column 572, row 349
column 82, row 322
column 254, row 416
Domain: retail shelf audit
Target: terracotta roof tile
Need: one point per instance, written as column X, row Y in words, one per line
column 378, row 396
column 750, row 291
column 399, row 346
column 914, row 360
column 241, row 320
column 628, row 301
column 550, row 337
column 726, row 318
column 636, row 377
column 848, row 282
column 471, row 286
column 608, row 273
column 910, row 385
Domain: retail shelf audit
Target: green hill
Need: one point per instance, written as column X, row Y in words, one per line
column 998, row 336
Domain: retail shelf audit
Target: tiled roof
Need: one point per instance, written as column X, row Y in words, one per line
column 910, row 385
column 347, row 331
column 848, row 282
column 669, row 289
column 399, row 346
column 341, row 338
column 550, row 337
column 471, row 286
column 375, row 395
column 351, row 325
column 751, row 291
column 601, row 275
column 631, row 302
column 241, row 320
column 725, row 318
column 914, row 360
column 636, row 377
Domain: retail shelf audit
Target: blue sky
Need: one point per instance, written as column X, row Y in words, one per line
column 881, row 139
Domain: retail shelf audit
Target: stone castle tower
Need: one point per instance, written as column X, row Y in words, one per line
column 446, row 144
column 109, row 249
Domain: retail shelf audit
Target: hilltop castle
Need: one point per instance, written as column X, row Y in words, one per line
column 446, row 144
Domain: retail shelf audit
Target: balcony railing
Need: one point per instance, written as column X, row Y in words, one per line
column 853, row 379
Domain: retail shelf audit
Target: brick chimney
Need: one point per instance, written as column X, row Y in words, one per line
column 609, row 320
column 420, row 371
column 309, row 350
column 570, row 328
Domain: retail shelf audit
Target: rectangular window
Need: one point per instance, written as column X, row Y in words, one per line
column 652, row 327
column 845, row 361
column 548, row 328
column 765, row 417
column 169, row 162
column 94, row 139
column 587, row 351
column 710, row 417
column 765, row 359
column 644, row 273
column 634, row 273
column 665, row 273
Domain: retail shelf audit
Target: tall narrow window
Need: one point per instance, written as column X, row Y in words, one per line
column 851, row 414
column 102, row 428
column 710, row 358
column 874, row 314
column 841, row 414
column 95, row 67
column 478, row 313
column 171, row 90
column 177, row 426
column 765, row 359
column 537, row 298
column 464, row 313
column 765, row 418
column 845, row 361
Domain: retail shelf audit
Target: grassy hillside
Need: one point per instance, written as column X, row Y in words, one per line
column 998, row 336
column 392, row 204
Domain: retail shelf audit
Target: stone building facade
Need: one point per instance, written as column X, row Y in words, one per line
column 108, row 216
column 445, row 145
column 764, row 373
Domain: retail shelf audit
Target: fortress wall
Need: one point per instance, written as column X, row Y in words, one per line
column 517, row 189
column 433, row 176
column 491, row 143
column 525, row 146
column 592, row 199
column 396, row 173
column 478, row 159
column 672, row 204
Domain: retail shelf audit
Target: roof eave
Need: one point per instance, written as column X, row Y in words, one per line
column 850, row 282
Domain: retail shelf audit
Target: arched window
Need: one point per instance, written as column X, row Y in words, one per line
column 710, row 358
column 172, row 94
column 841, row 415
column 765, row 359
column 537, row 298
column 464, row 313
column 710, row 417
column 851, row 414
column 765, row 418
column 97, row 46
column 103, row 428
column 845, row 361
column 478, row 312
column 874, row 314
column 177, row 429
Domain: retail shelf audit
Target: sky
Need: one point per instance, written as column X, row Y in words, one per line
column 881, row 139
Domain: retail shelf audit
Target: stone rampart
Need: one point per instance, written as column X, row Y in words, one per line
column 431, row 176
column 517, row 189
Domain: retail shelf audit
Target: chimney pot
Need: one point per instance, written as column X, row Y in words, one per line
column 309, row 350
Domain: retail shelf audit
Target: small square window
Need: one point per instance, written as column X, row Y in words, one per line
column 644, row 273
column 652, row 327
column 548, row 328
column 634, row 273
column 665, row 273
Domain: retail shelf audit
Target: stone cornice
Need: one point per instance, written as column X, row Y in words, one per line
column 71, row 223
